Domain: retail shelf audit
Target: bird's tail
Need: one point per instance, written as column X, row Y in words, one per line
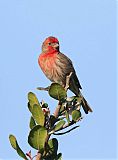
column 85, row 105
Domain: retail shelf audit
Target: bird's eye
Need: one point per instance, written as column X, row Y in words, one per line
column 49, row 43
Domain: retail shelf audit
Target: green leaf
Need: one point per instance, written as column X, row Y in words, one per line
column 38, row 114
column 15, row 145
column 57, row 92
column 59, row 125
column 74, row 99
column 32, row 100
column 30, row 107
column 77, row 100
column 76, row 115
column 12, row 140
column 53, row 146
column 59, row 156
column 37, row 138
column 32, row 122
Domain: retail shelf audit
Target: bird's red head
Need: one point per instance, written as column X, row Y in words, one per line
column 50, row 44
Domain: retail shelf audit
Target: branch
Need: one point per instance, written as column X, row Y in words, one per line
column 66, row 131
column 65, row 126
column 38, row 156
column 69, row 124
column 43, row 89
column 56, row 113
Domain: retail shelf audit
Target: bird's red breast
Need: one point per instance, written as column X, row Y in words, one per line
column 47, row 63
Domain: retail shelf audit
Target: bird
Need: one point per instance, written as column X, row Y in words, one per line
column 57, row 66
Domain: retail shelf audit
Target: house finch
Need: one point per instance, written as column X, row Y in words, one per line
column 56, row 66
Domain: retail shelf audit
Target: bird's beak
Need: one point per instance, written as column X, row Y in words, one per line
column 56, row 45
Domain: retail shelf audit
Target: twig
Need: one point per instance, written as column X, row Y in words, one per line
column 38, row 157
column 43, row 89
column 65, row 126
column 56, row 113
column 29, row 155
column 46, row 143
column 69, row 124
column 66, row 131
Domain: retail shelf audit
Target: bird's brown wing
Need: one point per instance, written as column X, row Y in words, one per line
column 74, row 85
column 67, row 67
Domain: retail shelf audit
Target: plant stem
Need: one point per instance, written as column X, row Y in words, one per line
column 38, row 156
column 43, row 89
column 61, row 133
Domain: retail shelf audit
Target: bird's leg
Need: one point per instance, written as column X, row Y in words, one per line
column 67, row 81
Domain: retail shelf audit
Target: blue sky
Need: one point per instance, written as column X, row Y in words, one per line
column 87, row 34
